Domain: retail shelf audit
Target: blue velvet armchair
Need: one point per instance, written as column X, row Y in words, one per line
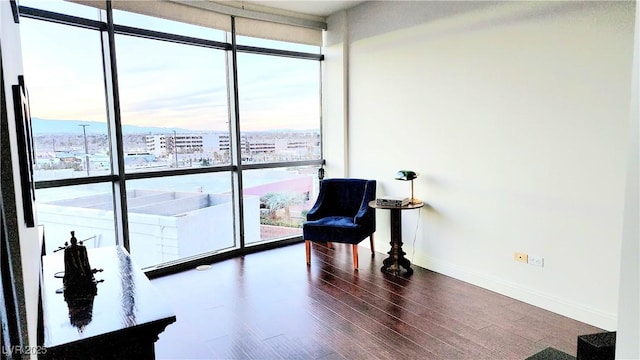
column 342, row 215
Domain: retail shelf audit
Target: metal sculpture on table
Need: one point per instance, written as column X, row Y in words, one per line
column 79, row 283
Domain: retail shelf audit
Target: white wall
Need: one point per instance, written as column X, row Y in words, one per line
column 334, row 101
column 516, row 117
column 628, row 332
column 29, row 273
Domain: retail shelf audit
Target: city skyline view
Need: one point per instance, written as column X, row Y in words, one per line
column 84, row 147
column 63, row 72
column 71, row 126
column 174, row 91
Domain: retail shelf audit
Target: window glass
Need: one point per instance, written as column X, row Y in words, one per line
column 275, row 44
column 85, row 209
column 175, row 115
column 279, row 108
column 177, row 217
column 285, row 194
column 173, row 105
column 63, row 7
column 64, row 79
column 167, row 26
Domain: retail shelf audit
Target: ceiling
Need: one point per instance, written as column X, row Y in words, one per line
column 309, row 7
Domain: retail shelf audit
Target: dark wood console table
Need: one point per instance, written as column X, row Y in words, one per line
column 396, row 262
column 122, row 321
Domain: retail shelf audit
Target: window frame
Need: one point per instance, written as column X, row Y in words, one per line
column 119, row 177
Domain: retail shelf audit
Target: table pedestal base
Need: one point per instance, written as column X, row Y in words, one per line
column 403, row 267
column 396, row 264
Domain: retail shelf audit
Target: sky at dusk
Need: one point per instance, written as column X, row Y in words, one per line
column 161, row 83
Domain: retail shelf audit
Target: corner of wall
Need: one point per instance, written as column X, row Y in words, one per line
column 26, row 259
column 627, row 345
column 335, row 93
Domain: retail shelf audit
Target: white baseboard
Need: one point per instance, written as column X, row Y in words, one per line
column 571, row 309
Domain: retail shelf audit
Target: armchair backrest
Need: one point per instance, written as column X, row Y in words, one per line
column 344, row 197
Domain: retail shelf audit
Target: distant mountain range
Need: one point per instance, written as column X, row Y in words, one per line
column 50, row 127
column 44, row 126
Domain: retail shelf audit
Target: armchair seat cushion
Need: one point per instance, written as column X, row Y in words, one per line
column 337, row 221
column 340, row 229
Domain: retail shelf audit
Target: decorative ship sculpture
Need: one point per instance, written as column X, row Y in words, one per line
column 79, row 284
column 78, row 276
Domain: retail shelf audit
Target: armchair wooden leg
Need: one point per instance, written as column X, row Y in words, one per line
column 372, row 246
column 354, row 251
column 307, row 248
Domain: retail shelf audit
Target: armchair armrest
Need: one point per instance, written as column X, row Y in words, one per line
column 316, row 212
column 366, row 213
column 361, row 216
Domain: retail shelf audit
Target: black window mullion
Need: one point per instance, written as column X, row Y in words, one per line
column 63, row 19
column 119, row 190
column 180, row 39
column 284, row 53
column 235, row 137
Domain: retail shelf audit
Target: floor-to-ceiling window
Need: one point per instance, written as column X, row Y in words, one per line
column 175, row 115
column 217, row 146
column 279, row 114
column 64, row 75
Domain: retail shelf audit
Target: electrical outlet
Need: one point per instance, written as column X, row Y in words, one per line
column 522, row 257
column 536, row 260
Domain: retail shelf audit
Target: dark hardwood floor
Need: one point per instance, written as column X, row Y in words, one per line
column 270, row 305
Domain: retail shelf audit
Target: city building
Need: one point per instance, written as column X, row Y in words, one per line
column 299, row 144
column 167, row 226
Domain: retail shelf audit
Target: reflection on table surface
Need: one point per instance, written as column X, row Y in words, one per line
column 126, row 298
